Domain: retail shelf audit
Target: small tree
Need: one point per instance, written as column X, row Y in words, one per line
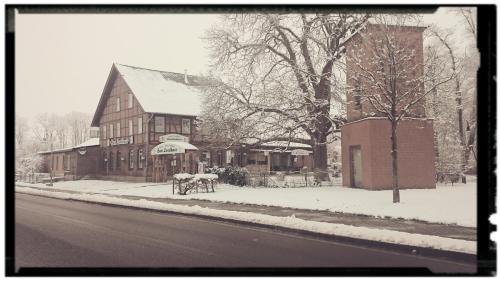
column 29, row 165
column 390, row 75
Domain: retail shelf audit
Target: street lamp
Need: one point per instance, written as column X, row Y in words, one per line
column 44, row 140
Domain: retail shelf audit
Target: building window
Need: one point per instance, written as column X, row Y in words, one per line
column 357, row 95
column 67, row 162
column 130, row 127
column 117, row 104
column 139, row 125
column 186, row 126
column 357, row 102
column 130, row 100
column 118, row 159
column 131, row 159
column 159, row 124
column 118, row 130
column 111, row 131
column 140, row 159
column 104, row 132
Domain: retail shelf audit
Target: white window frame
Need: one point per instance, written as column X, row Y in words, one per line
column 111, row 131
column 139, row 125
column 186, row 122
column 130, row 127
column 140, row 154
column 156, row 126
column 117, row 104
column 131, row 159
column 118, row 132
column 130, row 100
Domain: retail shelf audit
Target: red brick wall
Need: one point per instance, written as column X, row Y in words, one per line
column 361, row 47
column 415, row 153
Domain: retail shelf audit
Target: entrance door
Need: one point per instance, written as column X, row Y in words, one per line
column 356, row 167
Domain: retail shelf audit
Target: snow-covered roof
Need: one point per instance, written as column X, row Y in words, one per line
column 56, row 150
column 89, row 142
column 163, row 92
column 284, row 144
column 157, row 91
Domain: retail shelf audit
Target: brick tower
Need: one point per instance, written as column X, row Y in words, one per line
column 366, row 137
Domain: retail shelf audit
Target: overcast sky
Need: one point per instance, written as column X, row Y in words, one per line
column 63, row 60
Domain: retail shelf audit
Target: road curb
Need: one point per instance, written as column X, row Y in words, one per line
column 405, row 249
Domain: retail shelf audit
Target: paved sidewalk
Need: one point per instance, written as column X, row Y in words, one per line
column 410, row 226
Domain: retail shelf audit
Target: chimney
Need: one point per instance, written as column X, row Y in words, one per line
column 186, row 77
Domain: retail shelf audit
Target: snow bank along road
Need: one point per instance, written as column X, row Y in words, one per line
column 61, row 233
column 446, row 204
column 290, row 222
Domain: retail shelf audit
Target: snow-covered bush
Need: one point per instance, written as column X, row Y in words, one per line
column 28, row 165
column 231, row 175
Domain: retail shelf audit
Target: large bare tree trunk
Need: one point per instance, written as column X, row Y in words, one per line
column 320, row 158
column 394, row 154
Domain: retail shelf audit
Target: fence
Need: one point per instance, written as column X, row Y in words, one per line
column 292, row 179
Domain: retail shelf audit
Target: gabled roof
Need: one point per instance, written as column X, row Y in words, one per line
column 157, row 91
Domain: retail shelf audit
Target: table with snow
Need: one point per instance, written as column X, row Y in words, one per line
column 187, row 182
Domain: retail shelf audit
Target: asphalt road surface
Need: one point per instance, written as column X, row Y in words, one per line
column 59, row 233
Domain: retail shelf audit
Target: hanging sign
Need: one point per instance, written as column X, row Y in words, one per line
column 173, row 137
column 300, row 152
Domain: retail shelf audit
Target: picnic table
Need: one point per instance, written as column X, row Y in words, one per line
column 187, row 182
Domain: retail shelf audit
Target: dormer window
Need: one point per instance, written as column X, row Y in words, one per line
column 117, row 104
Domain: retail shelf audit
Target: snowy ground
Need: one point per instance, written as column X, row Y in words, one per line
column 445, row 204
column 383, row 235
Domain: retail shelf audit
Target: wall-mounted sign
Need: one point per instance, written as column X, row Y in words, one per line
column 118, row 141
column 82, row 150
column 173, row 137
column 300, row 152
column 167, row 148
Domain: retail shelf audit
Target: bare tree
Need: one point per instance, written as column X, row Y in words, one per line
column 463, row 60
column 79, row 126
column 390, row 76
column 22, row 128
column 471, row 59
column 279, row 67
column 444, row 39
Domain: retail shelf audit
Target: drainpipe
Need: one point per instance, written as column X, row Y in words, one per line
column 147, row 145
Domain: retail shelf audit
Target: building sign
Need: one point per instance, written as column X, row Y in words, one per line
column 300, row 152
column 173, row 137
column 167, row 148
column 82, row 150
column 118, row 141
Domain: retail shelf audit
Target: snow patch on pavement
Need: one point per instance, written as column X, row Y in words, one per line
column 383, row 235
